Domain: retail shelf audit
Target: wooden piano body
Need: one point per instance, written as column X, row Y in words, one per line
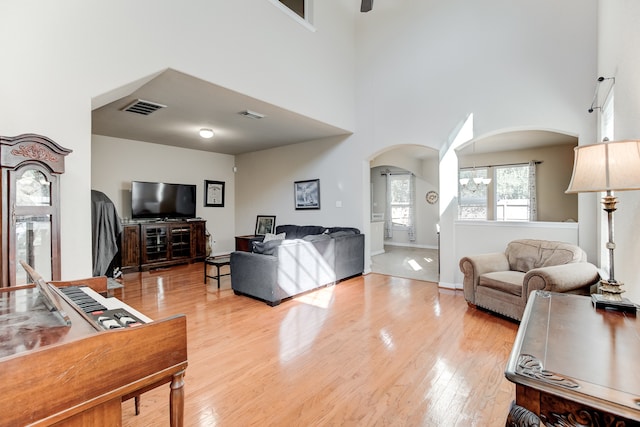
column 77, row 375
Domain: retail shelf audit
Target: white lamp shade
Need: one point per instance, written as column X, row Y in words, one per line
column 606, row 166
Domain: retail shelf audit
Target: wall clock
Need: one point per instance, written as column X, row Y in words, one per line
column 431, row 197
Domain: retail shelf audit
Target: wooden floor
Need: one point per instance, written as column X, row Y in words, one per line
column 371, row 351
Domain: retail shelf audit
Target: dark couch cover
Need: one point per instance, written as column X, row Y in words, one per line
column 308, row 257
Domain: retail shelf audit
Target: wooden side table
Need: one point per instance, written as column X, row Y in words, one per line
column 245, row 243
column 571, row 361
column 217, row 262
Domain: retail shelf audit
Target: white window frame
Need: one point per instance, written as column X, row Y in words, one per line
column 497, row 200
column 307, row 21
column 481, row 172
column 407, row 177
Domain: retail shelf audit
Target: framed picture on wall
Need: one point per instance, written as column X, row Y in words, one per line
column 307, row 194
column 214, row 193
column 265, row 224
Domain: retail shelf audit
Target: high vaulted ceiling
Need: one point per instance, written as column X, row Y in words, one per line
column 192, row 104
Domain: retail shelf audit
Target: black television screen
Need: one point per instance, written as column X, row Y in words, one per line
column 162, row 200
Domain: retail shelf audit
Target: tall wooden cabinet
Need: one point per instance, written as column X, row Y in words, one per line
column 150, row 245
column 30, row 199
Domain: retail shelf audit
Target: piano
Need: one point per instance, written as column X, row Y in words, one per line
column 61, row 365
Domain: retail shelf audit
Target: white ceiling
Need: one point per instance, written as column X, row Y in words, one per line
column 193, row 104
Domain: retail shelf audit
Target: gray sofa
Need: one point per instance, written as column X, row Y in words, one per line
column 307, row 258
column 502, row 281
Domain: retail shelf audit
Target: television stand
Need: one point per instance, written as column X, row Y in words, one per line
column 150, row 245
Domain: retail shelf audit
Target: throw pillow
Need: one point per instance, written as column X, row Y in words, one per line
column 271, row 236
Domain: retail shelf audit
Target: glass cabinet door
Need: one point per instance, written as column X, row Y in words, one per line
column 32, row 223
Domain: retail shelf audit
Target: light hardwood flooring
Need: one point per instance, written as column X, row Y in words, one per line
column 371, row 351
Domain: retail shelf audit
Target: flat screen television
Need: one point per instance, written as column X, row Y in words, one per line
column 162, row 200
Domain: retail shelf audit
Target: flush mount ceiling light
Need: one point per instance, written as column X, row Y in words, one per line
column 206, row 133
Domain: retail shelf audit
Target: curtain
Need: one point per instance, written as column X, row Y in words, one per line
column 411, row 226
column 388, row 222
column 533, row 198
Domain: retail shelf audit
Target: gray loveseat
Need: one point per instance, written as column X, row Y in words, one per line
column 309, row 257
column 502, row 281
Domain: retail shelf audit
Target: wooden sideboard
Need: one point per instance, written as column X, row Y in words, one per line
column 576, row 365
column 245, row 243
column 148, row 245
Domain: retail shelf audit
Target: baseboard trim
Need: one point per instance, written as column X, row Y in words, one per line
column 445, row 285
column 410, row 245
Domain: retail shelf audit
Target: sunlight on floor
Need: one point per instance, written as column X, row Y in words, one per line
column 414, row 264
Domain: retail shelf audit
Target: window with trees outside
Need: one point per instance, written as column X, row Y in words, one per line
column 472, row 198
column 512, row 193
column 400, row 200
column 509, row 190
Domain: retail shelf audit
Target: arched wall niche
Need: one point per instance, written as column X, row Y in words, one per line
column 553, row 149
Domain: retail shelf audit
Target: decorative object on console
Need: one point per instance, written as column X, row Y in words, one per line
column 214, row 194
column 265, row 224
column 307, row 194
column 608, row 166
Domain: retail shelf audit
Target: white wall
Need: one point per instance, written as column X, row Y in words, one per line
column 619, row 29
column 117, row 162
column 264, row 185
column 64, row 55
column 423, row 68
column 418, row 70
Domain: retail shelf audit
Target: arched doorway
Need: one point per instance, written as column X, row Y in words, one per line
column 404, row 224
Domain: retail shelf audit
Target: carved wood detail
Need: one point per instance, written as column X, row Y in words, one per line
column 35, row 152
column 531, row 367
column 522, row 417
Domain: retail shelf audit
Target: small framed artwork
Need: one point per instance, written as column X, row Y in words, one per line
column 265, row 224
column 214, row 193
column 307, row 194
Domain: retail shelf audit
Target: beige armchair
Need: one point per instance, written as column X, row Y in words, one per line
column 501, row 282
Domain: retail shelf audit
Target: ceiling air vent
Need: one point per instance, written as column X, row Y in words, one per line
column 140, row 106
column 251, row 114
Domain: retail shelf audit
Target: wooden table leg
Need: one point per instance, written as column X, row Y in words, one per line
column 176, row 400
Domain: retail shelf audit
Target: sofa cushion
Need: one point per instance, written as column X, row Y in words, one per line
column 316, row 237
column 267, row 248
column 299, row 231
column 505, row 281
column 346, row 230
column 526, row 254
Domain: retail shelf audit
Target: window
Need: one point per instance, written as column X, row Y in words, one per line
column 508, row 191
column 512, row 193
column 472, row 200
column 300, row 10
column 295, row 5
column 400, row 200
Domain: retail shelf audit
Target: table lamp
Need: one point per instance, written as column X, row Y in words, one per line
column 608, row 166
